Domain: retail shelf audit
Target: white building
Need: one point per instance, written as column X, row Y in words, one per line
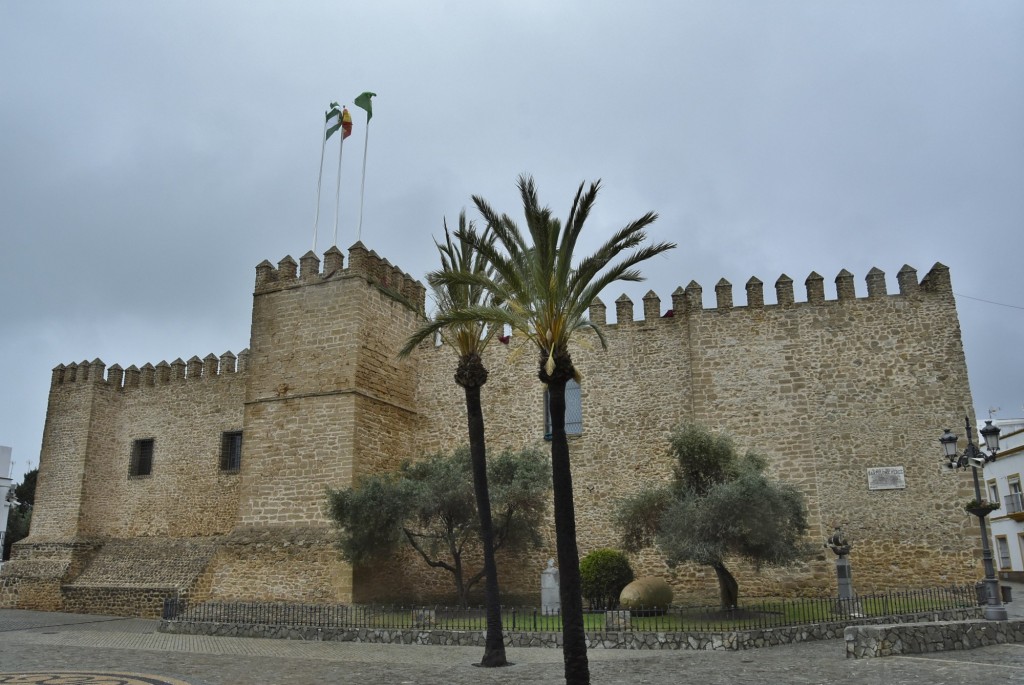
column 1003, row 485
column 5, row 486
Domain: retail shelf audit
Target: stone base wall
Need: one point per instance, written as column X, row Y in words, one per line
column 117, row 601
column 148, row 562
column 33, row 577
column 116, row 577
column 298, row 564
column 864, row 642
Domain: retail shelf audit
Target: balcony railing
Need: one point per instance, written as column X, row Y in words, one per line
column 1014, row 503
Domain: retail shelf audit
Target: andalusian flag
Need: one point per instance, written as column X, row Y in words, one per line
column 364, row 102
column 334, row 118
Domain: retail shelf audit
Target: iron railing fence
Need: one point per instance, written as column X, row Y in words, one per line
column 753, row 615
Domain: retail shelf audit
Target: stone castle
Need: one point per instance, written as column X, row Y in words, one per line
column 206, row 479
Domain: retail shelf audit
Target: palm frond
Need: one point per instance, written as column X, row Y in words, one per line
column 463, row 282
column 534, row 286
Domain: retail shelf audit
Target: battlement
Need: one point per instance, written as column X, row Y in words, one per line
column 689, row 300
column 96, row 371
column 363, row 263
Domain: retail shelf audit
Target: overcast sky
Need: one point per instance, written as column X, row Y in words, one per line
column 151, row 154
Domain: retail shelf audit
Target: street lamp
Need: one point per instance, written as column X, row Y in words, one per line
column 975, row 458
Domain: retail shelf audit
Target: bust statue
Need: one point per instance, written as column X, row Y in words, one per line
column 838, row 542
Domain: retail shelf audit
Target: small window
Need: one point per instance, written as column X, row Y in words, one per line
column 1003, row 549
column 573, row 410
column 231, row 451
column 142, row 458
column 993, row 492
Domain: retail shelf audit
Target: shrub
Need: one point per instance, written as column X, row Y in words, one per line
column 604, row 572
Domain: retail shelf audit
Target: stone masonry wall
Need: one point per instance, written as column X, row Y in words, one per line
column 92, row 422
column 294, row 563
column 324, row 358
column 187, row 494
column 824, row 388
column 865, row 642
column 63, row 454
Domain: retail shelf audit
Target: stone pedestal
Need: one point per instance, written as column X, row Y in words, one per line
column 844, row 575
column 618, row 621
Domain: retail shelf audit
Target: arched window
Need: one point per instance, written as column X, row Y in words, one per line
column 573, row 411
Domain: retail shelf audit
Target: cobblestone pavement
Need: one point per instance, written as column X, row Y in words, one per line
column 50, row 642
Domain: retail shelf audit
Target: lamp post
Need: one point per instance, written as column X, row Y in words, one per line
column 976, row 459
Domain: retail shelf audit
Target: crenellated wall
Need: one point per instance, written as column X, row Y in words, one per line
column 826, row 388
column 97, row 413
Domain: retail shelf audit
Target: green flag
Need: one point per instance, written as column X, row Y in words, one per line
column 364, row 101
column 333, row 117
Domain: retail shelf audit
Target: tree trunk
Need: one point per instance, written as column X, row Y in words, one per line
column 461, row 591
column 574, row 644
column 471, row 375
column 728, row 588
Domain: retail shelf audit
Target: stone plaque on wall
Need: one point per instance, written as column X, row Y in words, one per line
column 886, row 478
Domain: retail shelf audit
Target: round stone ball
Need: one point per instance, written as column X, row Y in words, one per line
column 647, row 592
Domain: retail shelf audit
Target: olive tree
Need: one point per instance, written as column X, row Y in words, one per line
column 720, row 503
column 430, row 505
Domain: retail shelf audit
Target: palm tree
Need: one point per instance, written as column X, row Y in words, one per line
column 469, row 339
column 545, row 297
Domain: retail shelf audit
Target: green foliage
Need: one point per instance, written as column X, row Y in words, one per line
column 25, row 491
column 430, row 505
column 703, row 459
column 720, row 503
column 371, row 516
column 603, row 573
column 19, row 517
column 638, row 518
column 750, row 516
column 18, row 523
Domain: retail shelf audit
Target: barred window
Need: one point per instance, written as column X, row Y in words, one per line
column 142, row 458
column 573, row 410
column 231, row 451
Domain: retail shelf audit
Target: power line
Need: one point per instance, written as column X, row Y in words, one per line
column 978, row 299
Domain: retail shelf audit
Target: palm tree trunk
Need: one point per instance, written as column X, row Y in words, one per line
column 574, row 639
column 471, row 375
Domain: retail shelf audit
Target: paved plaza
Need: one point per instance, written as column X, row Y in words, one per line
column 51, row 648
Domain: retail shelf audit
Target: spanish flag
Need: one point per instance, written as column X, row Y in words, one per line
column 346, row 123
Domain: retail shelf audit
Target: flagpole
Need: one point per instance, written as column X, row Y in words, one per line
column 362, row 184
column 337, row 192
column 319, row 179
column 365, row 101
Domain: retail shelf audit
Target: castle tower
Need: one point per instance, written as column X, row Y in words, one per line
column 326, row 399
